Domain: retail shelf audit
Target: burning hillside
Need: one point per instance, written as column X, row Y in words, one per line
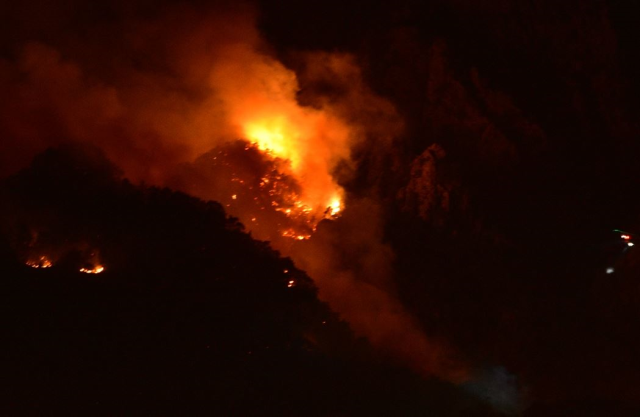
column 442, row 171
column 189, row 312
column 258, row 188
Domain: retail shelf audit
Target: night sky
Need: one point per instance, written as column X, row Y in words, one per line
column 320, row 208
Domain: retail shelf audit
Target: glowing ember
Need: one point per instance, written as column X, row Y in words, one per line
column 95, row 270
column 295, row 235
column 43, row 262
column 291, row 284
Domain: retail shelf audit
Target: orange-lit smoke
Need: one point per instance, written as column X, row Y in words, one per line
column 206, row 78
column 353, row 270
column 167, row 89
column 259, row 97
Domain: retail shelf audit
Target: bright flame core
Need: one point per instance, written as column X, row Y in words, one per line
column 272, row 137
column 335, row 207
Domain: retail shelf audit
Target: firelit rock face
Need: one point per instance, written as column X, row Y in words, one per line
column 424, row 195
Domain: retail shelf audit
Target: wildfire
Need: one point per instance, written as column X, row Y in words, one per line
column 95, row 270
column 296, row 204
column 42, row 262
column 264, row 192
column 306, row 144
column 320, row 194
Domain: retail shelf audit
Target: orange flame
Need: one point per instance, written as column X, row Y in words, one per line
column 307, row 154
column 259, row 96
column 279, row 137
column 42, row 262
column 95, row 270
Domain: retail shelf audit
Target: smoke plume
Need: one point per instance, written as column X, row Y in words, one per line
column 167, row 92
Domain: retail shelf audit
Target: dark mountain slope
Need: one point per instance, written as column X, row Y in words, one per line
column 190, row 316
